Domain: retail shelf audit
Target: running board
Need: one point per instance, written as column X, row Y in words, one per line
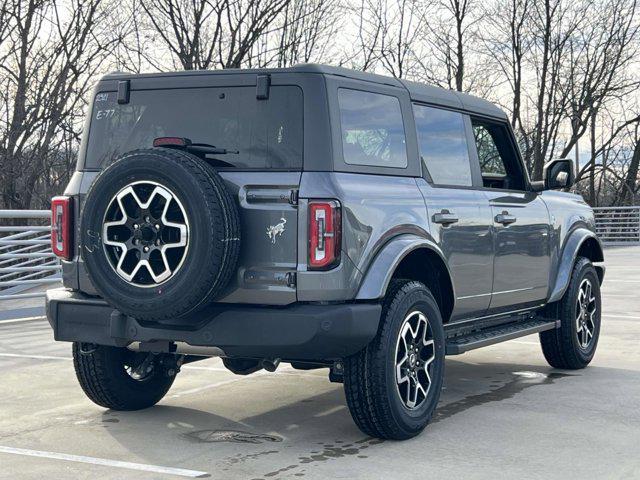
column 489, row 336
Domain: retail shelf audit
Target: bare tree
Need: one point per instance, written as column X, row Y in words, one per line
column 451, row 31
column 304, row 32
column 507, row 43
column 563, row 63
column 390, row 36
column 365, row 52
column 603, row 53
column 566, row 71
column 50, row 55
column 629, row 188
column 202, row 34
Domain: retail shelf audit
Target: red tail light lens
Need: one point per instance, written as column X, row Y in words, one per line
column 171, row 142
column 324, row 234
column 61, row 226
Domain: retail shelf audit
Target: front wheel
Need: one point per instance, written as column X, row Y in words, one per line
column 392, row 387
column 573, row 345
column 120, row 379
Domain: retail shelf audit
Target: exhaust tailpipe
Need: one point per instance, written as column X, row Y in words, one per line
column 270, row 365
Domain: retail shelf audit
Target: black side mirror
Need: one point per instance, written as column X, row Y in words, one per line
column 559, row 174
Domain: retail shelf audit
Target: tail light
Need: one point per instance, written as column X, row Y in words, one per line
column 324, row 234
column 61, row 226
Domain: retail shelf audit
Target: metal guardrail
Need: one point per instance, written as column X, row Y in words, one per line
column 618, row 225
column 26, row 259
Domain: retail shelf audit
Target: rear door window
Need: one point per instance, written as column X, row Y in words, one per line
column 372, row 129
column 268, row 134
column 443, row 145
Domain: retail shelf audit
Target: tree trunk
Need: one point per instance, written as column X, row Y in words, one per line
column 592, row 171
column 629, row 185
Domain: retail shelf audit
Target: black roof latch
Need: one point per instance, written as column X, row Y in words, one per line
column 262, row 87
column 124, row 86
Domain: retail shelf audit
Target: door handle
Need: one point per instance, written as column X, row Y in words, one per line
column 505, row 218
column 445, row 217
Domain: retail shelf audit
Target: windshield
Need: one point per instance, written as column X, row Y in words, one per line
column 266, row 133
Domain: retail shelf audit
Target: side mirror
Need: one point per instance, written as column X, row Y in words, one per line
column 558, row 174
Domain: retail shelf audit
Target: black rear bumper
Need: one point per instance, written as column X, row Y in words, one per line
column 295, row 332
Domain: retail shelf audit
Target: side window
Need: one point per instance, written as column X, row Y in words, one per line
column 499, row 162
column 443, row 145
column 372, row 129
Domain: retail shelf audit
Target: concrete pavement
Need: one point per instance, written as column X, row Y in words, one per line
column 504, row 413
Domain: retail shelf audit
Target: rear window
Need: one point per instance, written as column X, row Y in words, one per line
column 266, row 133
column 372, row 129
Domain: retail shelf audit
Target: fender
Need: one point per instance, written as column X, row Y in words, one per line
column 568, row 257
column 381, row 269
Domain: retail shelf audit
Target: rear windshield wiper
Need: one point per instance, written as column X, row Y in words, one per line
column 188, row 145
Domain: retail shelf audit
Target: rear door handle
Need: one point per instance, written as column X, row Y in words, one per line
column 445, row 217
column 505, row 218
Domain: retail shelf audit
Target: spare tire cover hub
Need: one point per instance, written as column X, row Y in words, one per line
column 146, row 233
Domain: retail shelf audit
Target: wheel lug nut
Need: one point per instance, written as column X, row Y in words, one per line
column 158, row 242
column 146, row 249
column 146, row 219
column 136, row 226
column 157, row 226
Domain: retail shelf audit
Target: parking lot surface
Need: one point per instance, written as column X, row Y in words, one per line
column 504, row 413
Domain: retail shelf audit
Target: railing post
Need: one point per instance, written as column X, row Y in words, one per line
column 638, row 227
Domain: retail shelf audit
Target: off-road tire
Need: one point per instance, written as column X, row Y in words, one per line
column 560, row 346
column 369, row 376
column 213, row 244
column 103, row 378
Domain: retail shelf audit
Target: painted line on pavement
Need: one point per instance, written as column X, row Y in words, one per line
column 20, row 320
column 210, row 386
column 35, row 357
column 524, row 342
column 143, row 467
column 618, row 295
column 613, row 315
column 23, row 312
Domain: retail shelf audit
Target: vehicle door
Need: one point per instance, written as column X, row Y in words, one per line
column 459, row 213
column 520, row 220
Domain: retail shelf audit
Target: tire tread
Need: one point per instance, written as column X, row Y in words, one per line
column 366, row 388
column 104, row 386
column 558, row 345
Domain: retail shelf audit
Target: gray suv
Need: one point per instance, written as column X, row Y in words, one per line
column 317, row 216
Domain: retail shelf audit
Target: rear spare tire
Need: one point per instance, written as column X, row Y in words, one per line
column 160, row 234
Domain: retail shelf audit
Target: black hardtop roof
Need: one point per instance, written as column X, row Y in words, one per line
column 417, row 91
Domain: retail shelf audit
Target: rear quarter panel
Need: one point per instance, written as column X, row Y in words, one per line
column 375, row 209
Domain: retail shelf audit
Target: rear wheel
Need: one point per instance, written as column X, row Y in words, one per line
column 120, row 379
column 573, row 345
column 393, row 385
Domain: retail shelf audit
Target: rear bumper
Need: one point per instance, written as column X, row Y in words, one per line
column 295, row 332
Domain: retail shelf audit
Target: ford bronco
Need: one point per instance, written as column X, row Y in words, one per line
column 317, row 216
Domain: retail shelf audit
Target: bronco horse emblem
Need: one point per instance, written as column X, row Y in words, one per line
column 276, row 230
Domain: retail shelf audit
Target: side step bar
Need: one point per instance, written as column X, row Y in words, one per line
column 489, row 336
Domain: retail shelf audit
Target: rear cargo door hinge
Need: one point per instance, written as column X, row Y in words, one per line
column 291, row 279
column 293, row 197
column 263, row 83
column 124, row 90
